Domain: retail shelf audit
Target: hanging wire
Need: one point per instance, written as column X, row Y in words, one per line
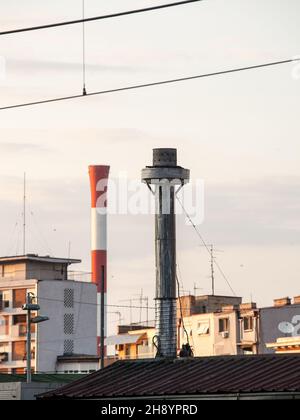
column 83, row 50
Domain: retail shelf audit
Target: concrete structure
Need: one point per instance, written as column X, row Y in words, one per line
column 70, row 305
column 164, row 174
column 98, row 183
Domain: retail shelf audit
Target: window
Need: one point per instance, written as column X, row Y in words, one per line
column 248, row 350
column 248, row 323
column 203, row 328
column 19, row 319
column 4, row 350
column 19, row 350
column 4, row 325
column 4, row 300
column 19, row 298
column 223, row 325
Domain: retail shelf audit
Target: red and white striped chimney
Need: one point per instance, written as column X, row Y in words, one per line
column 98, row 183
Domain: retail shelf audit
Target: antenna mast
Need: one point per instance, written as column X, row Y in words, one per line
column 24, row 215
column 212, row 269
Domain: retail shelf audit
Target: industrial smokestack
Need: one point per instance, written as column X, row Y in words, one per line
column 98, row 183
column 165, row 175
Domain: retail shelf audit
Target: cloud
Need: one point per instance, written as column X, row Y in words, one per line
column 20, row 147
column 265, row 211
column 47, row 65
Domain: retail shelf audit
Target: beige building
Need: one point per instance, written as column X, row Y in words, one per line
column 213, row 325
column 231, row 331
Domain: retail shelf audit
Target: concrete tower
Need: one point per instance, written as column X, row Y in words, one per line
column 165, row 176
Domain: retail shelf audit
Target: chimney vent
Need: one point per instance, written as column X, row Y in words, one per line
column 166, row 177
column 282, row 301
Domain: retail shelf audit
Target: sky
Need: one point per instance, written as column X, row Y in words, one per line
column 238, row 133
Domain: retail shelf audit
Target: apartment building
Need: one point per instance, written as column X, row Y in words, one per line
column 68, row 301
column 133, row 342
column 229, row 331
column 221, row 325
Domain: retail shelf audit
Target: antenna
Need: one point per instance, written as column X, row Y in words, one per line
column 212, row 270
column 69, row 250
column 83, row 49
column 24, row 215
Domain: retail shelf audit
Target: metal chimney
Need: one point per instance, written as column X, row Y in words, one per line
column 165, row 175
column 98, row 183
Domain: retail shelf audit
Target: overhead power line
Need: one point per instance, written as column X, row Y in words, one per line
column 94, row 18
column 151, row 84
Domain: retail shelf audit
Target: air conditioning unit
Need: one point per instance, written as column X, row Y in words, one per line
column 225, row 334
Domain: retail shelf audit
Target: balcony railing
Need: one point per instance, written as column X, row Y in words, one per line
column 80, row 276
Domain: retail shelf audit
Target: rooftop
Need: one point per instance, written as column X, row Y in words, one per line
column 35, row 257
column 185, row 377
column 41, row 377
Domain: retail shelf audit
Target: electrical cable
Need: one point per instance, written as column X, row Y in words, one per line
column 151, row 84
column 205, row 245
column 83, row 50
column 91, row 19
column 181, row 313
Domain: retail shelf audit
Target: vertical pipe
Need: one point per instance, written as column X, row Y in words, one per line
column 165, row 300
column 98, row 183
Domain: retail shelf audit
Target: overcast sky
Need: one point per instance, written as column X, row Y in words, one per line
column 239, row 133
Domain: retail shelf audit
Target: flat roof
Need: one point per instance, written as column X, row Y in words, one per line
column 36, row 257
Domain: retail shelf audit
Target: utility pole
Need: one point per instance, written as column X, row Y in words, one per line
column 212, row 269
column 29, row 306
column 28, row 339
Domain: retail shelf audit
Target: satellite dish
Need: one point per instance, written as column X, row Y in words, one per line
column 286, row 327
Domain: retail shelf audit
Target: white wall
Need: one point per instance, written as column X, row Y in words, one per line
column 51, row 335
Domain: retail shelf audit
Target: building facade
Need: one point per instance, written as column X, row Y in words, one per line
column 216, row 325
column 70, row 305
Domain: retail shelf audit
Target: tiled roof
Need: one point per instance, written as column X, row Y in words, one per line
column 193, row 376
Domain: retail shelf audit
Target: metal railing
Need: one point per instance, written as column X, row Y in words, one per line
column 84, row 276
